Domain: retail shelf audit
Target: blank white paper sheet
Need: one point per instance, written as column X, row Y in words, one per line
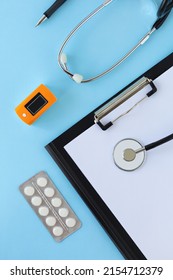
column 142, row 200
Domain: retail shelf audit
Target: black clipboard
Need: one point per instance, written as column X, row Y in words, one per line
column 56, row 149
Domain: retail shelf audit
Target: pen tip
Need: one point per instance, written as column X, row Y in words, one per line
column 43, row 18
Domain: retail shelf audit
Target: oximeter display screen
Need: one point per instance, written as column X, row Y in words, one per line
column 36, row 104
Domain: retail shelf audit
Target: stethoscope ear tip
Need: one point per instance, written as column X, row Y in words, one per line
column 63, row 58
column 78, row 78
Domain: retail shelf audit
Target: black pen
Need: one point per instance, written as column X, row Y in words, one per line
column 50, row 11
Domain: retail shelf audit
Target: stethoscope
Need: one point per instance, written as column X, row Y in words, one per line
column 129, row 154
column 162, row 14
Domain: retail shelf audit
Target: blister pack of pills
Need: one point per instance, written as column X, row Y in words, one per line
column 50, row 206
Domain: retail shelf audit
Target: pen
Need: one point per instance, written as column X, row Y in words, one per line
column 50, row 11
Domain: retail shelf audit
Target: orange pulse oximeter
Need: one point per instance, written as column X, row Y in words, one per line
column 35, row 104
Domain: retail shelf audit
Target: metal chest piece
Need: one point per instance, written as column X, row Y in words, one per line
column 126, row 154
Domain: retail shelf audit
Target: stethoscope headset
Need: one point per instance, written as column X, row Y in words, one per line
column 162, row 14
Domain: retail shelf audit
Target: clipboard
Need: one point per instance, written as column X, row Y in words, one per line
column 99, row 123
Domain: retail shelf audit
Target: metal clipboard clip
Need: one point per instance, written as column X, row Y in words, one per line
column 120, row 99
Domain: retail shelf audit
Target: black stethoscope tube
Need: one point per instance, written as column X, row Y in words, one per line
column 165, row 8
column 159, row 142
column 163, row 12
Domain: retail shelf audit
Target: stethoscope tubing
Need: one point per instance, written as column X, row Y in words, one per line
column 165, row 8
column 159, row 142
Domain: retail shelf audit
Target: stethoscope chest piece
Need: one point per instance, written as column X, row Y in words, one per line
column 126, row 155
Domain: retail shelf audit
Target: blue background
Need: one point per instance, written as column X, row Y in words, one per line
column 28, row 57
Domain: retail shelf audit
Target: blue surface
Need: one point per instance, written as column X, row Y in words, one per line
column 28, row 57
